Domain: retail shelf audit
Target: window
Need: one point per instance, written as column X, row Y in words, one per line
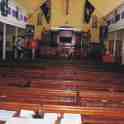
column 122, row 15
column 109, row 22
column 14, row 13
column 117, row 17
column 25, row 19
column 66, row 39
column 9, row 10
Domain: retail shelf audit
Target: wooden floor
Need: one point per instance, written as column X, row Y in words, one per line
column 91, row 90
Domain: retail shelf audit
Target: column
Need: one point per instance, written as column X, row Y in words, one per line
column 123, row 50
column 67, row 7
column 115, row 39
column 4, row 43
column 16, row 34
column 33, row 53
column 16, row 38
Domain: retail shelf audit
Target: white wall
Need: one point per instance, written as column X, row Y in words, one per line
column 12, row 20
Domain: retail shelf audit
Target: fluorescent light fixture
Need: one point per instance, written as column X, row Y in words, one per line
column 65, row 28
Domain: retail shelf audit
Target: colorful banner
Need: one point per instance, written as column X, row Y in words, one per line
column 6, row 10
column 45, row 7
column 89, row 9
column 103, row 32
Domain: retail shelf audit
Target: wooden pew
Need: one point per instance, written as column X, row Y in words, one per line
column 62, row 73
column 114, row 85
column 62, row 97
column 90, row 115
column 17, row 106
column 86, row 111
column 102, row 120
column 101, row 99
column 78, row 85
column 38, row 95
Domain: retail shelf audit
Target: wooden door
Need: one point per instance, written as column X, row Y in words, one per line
column 111, row 46
column 118, row 52
column 1, row 43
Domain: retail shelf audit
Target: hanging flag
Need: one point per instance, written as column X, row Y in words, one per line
column 45, row 7
column 9, row 11
column 117, row 16
column 4, row 7
column 17, row 13
column 103, row 32
column 94, row 22
column 39, row 18
column 89, row 9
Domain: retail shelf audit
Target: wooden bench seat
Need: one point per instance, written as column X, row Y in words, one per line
column 78, row 85
column 65, row 72
column 17, row 106
column 62, row 97
column 35, row 95
column 44, row 82
column 86, row 112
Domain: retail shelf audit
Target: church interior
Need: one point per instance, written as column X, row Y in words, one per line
column 61, row 61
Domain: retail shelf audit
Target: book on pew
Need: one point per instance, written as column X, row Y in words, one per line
column 6, row 115
column 72, row 116
column 52, row 116
column 71, row 119
column 26, row 113
column 18, row 120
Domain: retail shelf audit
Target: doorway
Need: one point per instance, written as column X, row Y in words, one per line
column 1, row 39
column 66, row 42
column 118, row 52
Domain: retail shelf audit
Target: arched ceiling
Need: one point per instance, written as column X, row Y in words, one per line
column 103, row 7
column 30, row 5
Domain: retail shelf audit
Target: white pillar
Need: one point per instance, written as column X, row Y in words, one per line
column 16, row 34
column 122, row 52
column 16, row 37
column 33, row 53
column 115, row 40
column 4, row 43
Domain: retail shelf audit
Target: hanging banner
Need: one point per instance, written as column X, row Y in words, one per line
column 17, row 13
column 94, row 22
column 45, row 7
column 103, row 32
column 89, row 9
